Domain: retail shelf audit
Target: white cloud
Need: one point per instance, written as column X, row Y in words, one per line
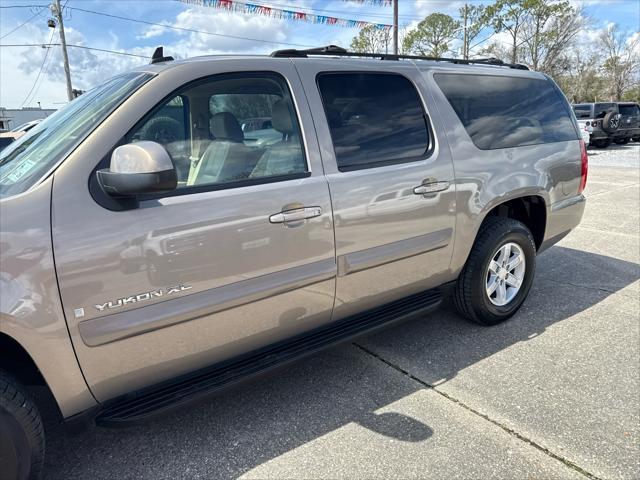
column 19, row 66
column 151, row 32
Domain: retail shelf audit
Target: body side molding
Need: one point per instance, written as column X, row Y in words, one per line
column 109, row 328
column 373, row 257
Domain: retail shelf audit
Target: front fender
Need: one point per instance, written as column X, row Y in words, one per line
column 30, row 309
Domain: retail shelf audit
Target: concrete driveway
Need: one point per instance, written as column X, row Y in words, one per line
column 553, row 393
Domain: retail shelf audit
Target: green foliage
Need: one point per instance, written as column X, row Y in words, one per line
column 474, row 19
column 372, row 40
column 432, row 36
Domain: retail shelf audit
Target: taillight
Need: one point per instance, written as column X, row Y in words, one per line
column 584, row 166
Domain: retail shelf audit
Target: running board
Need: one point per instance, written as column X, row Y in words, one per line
column 177, row 392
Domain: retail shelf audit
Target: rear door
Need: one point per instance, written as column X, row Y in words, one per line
column 239, row 256
column 391, row 179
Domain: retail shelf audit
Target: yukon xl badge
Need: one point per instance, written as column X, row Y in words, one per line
column 140, row 297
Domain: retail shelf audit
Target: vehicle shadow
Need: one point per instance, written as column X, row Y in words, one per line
column 265, row 418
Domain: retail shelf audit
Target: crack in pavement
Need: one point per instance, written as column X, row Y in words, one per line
column 568, row 463
column 597, row 289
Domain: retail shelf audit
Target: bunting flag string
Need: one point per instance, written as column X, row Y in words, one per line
column 254, row 9
column 378, row 3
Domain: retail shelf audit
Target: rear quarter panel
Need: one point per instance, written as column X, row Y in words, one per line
column 487, row 178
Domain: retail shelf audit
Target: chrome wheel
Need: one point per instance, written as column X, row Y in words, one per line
column 505, row 274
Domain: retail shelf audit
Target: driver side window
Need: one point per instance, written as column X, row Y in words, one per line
column 228, row 129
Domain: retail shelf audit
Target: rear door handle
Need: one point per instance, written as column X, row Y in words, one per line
column 431, row 187
column 296, row 215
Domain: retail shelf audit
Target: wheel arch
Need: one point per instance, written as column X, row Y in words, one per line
column 16, row 361
column 531, row 210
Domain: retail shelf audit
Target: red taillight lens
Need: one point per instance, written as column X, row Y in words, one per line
column 584, row 166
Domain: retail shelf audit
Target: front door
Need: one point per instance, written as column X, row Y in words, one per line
column 239, row 256
column 391, row 179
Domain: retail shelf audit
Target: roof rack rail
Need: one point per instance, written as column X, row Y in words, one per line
column 333, row 50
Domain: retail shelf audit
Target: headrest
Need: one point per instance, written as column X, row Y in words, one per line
column 281, row 114
column 225, row 126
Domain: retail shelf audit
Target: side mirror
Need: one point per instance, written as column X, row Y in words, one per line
column 137, row 168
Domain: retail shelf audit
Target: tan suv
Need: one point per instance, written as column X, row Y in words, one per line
column 153, row 252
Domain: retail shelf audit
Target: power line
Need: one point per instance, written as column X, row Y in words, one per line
column 40, row 72
column 192, row 30
column 47, row 45
column 21, row 25
column 44, row 76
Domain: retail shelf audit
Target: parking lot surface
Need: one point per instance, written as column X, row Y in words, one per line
column 553, row 393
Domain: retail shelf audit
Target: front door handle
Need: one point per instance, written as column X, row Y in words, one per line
column 431, row 187
column 297, row 215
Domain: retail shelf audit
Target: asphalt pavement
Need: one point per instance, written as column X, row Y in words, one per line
column 553, row 393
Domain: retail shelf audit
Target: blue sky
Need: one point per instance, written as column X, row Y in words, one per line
column 19, row 66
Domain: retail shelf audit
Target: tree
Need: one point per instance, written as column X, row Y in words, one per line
column 474, row 19
column 372, row 39
column 509, row 16
column 621, row 65
column 432, row 36
column 547, row 34
column 581, row 82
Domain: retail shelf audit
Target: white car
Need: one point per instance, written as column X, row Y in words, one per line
column 19, row 131
column 585, row 131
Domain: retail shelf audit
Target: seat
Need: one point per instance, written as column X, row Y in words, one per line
column 226, row 158
column 283, row 157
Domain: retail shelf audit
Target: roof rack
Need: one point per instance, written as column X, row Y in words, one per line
column 333, row 50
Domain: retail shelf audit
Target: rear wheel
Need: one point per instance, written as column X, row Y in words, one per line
column 636, row 138
column 21, row 432
column 622, row 141
column 499, row 272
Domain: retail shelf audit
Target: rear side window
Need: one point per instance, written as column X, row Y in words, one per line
column 505, row 112
column 375, row 119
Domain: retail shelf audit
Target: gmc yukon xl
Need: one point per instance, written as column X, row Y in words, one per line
column 154, row 252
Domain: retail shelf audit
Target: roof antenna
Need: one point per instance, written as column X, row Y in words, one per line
column 158, row 56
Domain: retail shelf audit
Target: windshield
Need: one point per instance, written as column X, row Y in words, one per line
column 30, row 157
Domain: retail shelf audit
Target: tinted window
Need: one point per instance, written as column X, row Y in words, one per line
column 602, row 109
column 582, row 111
column 201, row 127
column 629, row 109
column 504, row 112
column 374, row 118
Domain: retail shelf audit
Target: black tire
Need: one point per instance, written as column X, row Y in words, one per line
column 636, row 138
column 470, row 296
column 611, row 122
column 622, row 141
column 21, row 432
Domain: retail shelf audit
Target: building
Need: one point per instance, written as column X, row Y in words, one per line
column 11, row 118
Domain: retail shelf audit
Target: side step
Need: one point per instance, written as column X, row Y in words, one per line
column 185, row 389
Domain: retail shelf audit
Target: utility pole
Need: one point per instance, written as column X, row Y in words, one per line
column 395, row 27
column 56, row 9
column 465, row 49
